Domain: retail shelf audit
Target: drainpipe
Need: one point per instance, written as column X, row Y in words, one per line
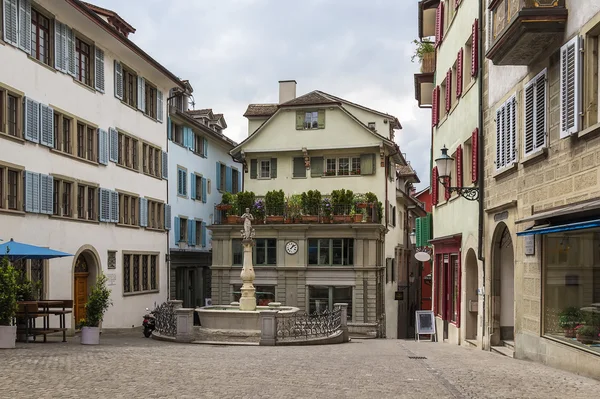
column 480, row 160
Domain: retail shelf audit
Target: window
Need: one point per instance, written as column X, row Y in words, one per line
column 129, row 87
column 140, row 273
column 506, row 134
column 264, row 251
column 10, row 111
column 62, row 133
column 439, row 286
column 86, row 141
column 128, row 209
column 454, row 284
column 442, row 97
column 11, row 191
column 40, row 37
column 33, row 270
column 331, row 251
column 311, row 120
column 86, row 202
column 156, row 215
column 571, row 286
column 198, row 189
column 235, row 181
column 199, row 232
column 150, row 94
column 82, row 61
column 208, row 186
column 535, row 113
column 453, row 92
column 299, row 167
column 344, row 166
column 177, row 133
column 182, row 182
column 128, row 151
column 63, row 196
column 372, row 126
column 467, row 63
column 152, row 160
column 591, row 80
column 183, row 229
column 200, row 145
column 322, row 298
column 265, row 169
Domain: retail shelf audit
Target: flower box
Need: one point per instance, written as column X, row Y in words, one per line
column 310, row 218
column 233, row 219
column 224, row 207
column 361, row 205
column 357, row 218
column 274, row 219
column 342, row 219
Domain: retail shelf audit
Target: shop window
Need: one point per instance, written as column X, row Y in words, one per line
column 323, row 298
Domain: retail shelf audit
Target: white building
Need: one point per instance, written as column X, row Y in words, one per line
column 200, row 169
column 82, row 161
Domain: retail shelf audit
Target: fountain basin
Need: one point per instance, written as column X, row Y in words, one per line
column 230, row 317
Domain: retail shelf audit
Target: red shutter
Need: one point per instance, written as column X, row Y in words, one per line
column 448, row 90
column 434, row 107
column 475, row 49
column 434, row 186
column 474, row 154
column 447, row 192
column 459, row 73
column 441, row 8
column 459, row 166
column 437, row 25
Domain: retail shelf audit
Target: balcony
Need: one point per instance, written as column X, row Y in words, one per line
column 424, row 81
column 427, row 13
column 522, row 30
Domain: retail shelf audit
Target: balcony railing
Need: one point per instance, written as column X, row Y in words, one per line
column 521, row 30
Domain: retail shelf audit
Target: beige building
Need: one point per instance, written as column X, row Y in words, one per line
column 542, row 188
column 319, row 142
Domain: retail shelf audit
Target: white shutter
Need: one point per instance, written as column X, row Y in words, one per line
column 165, row 165
column 141, row 93
column 9, row 27
column 114, row 207
column 25, row 25
column 159, row 105
column 104, row 202
column 530, row 117
column 32, row 192
column 570, row 87
column 102, row 147
column 143, row 212
column 70, row 51
column 167, row 217
column 118, row 80
column 99, row 70
column 499, row 142
column 535, row 113
column 114, row 144
column 59, row 47
column 32, row 120
column 47, row 126
column 46, row 194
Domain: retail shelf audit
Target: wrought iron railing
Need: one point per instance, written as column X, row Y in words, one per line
column 303, row 326
column 166, row 320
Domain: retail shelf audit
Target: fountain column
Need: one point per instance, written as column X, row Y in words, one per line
column 248, row 299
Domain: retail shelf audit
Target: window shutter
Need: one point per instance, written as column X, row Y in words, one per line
column 167, row 217
column 190, row 231
column 114, row 207
column 203, row 234
column 46, row 194
column 434, row 186
column 435, row 112
column 253, row 169
column 570, row 87
column 299, row 168
column 540, row 111
column 24, row 25
column 165, row 165
column 228, row 179
column 32, row 192
column 448, row 90
column 205, row 147
column 169, row 128
column 273, row 168
column 177, row 229
column 219, row 176
column 499, row 141
column 9, row 26
column 46, row 126
column 321, row 119
column 439, row 24
column 203, row 190
column 459, row 73
column 70, row 51
column 59, row 47
column 316, row 166
column 240, row 181
column 459, row 166
column 299, row 120
column 193, row 178
column 474, row 155
column 118, row 80
column 475, row 49
column 418, row 233
column 426, row 230
column 32, row 120
column 512, row 131
column 141, row 93
column 367, row 164
column 144, row 212
column 102, row 147
column 159, row 106
column 99, row 72
column 113, row 144
column 104, row 205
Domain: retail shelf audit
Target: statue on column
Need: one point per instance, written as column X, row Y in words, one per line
column 248, row 231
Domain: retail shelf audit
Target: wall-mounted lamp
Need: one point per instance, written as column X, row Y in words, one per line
column 445, row 166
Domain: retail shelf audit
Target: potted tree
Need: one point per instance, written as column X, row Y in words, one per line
column 245, row 199
column 274, row 204
column 293, row 209
column 310, row 202
column 8, row 304
column 568, row 319
column 342, row 202
column 97, row 304
column 425, row 53
column 233, row 214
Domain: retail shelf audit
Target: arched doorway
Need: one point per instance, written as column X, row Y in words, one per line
column 84, row 276
column 503, row 286
column 472, row 279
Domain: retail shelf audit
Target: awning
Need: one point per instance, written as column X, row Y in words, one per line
column 562, row 211
column 546, row 229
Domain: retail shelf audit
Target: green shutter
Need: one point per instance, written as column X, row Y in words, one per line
column 299, row 120
column 316, row 166
column 253, row 169
column 273, row 168
column 419, row 232
column 321, row 119
column 367, row 164
column 427, row 229
column 299, row 168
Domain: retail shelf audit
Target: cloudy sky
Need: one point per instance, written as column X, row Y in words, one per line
column 235, row 51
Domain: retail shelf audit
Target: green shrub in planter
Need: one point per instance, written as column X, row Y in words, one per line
column 97, row 304
column 245, row 199
column 8, row 292
column 275, row 203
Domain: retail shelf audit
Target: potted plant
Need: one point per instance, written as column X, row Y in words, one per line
column 245, row 199
column 274, row 203
column 97, row 304
column 310, row 202
column 327, row 210
column 568, row 319
column 233, row 212
column 357, row 217
column 258, row 211
column 425, row 53
column 8, row 304
column 226, row 202
column 360, row 201
column 293, row 209
column 586, row 334
column 342, row 202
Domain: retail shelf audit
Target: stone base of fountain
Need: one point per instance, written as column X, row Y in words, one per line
column 230, row 318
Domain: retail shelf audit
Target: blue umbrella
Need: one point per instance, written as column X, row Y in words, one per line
column 17, row 251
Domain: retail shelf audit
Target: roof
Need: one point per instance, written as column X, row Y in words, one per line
column 384, row 114
column 407, row 171
column 195, row 123
column 313, row 98
column 93, row 16
column 265, row 110
column 422, row 191
column 111, row 14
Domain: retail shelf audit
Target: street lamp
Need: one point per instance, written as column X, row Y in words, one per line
column 413, row 237
column 445, row 165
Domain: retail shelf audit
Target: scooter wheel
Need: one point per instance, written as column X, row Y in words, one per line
column 147, row 333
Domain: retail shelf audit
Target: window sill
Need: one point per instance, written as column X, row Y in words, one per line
column 149, row 116
column 441, row 121
column 47, row 66
column 151, row 175
column 505, row 170
column 343, row 176
column 129, row 106
column 155, row 229
column 85, row 86
column 141, row 292
column 129, row 226
column 471, row 84
column 71, row 218
column 299, row 177
column 199, row 154
column 13, row 138
column 12, row 212
column 182, row 196
column 535, row 156
column 125, row 167
column 590, row 131
column 75, row 157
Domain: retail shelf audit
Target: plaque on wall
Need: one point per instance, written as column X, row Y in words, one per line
column 530, row 245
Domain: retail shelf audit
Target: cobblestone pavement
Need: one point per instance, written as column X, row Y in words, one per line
column 127, row 365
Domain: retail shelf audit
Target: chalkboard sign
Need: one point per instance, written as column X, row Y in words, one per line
column 425, row 323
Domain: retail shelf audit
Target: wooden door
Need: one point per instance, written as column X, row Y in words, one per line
column 81, row 294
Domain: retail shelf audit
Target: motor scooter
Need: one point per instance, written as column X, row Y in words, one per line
column 149, row 323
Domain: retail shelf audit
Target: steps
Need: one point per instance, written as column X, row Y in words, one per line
column 507, row 349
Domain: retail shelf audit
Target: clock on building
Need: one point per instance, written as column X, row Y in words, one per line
column 291, row 247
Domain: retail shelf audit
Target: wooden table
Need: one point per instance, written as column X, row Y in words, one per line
column 31, row 310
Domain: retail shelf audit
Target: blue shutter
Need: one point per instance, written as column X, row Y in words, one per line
column 177, row 229
column 24, row 25
column 31, row 116
column 204, row 190
column 165, row 165
column 144, row 212
column 167, row 217
column 113, row 144
column 141, row 93
column 169, row 133
column 219, row 176
column 184, row 180
column 193, row 178
column 203, row 234
column 205, row 146
column 228, row 179
column 46, row 194
column 99, row 70
column 179, row 181
column 10, row 25
column 46, row 126
column 240, row 181
column 32, row 192
column 102, row 147
column 190, row 231
column 118, row 80
column 70, row 51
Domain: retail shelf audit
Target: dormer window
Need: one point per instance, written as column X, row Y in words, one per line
column 308, row 120
column 311, row 120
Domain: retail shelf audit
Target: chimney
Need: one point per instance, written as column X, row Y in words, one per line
column 287, row 90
